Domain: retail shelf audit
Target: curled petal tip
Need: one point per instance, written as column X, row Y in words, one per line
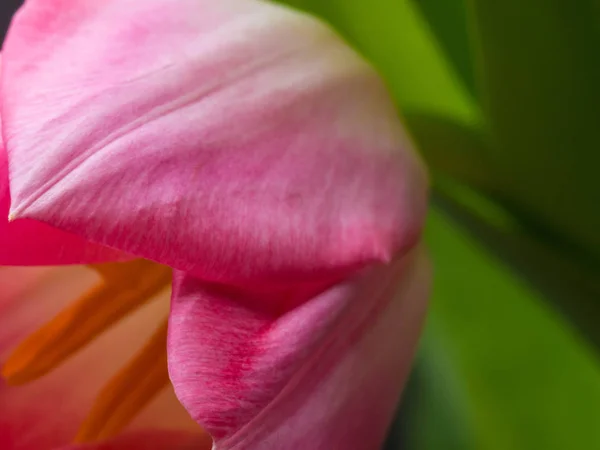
column 215, row 133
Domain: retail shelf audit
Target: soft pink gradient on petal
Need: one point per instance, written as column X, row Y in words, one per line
column 46, row 414
column 150, row 441
column 325, row 375
column 233, row 139
column 17, row 284
column 33, row 243
column 29, row 242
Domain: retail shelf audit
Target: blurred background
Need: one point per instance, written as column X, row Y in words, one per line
column 503, row 101
column 7, row 8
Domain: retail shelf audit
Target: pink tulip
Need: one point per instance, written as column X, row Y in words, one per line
column 249, row 149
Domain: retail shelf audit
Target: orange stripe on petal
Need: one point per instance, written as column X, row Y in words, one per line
column 127, row 286
column 128, row 391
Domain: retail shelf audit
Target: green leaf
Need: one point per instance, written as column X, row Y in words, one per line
column 393, row 35
column 539, row 73
column 434, row 409
column 452, row 149
column 527, row 380
column 567, row 285
column 448, row 22
column 461, row 153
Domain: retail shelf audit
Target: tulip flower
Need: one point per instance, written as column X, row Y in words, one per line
column 245, row 149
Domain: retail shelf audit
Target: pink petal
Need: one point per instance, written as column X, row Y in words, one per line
column 325, row 375
column 30, row 242
column 150, row 441
column 234, row 139
column 46, row 413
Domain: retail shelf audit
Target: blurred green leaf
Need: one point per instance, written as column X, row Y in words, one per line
column 462, row 153
column 448, row 21
column 395, row 37
column 539, row 73
column 570, row 287
column 434, row 406
column 453, row 149
column 527, row 380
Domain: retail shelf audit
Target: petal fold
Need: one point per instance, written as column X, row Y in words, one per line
column 325, row 375
column 236, row 140
column 29, row 242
